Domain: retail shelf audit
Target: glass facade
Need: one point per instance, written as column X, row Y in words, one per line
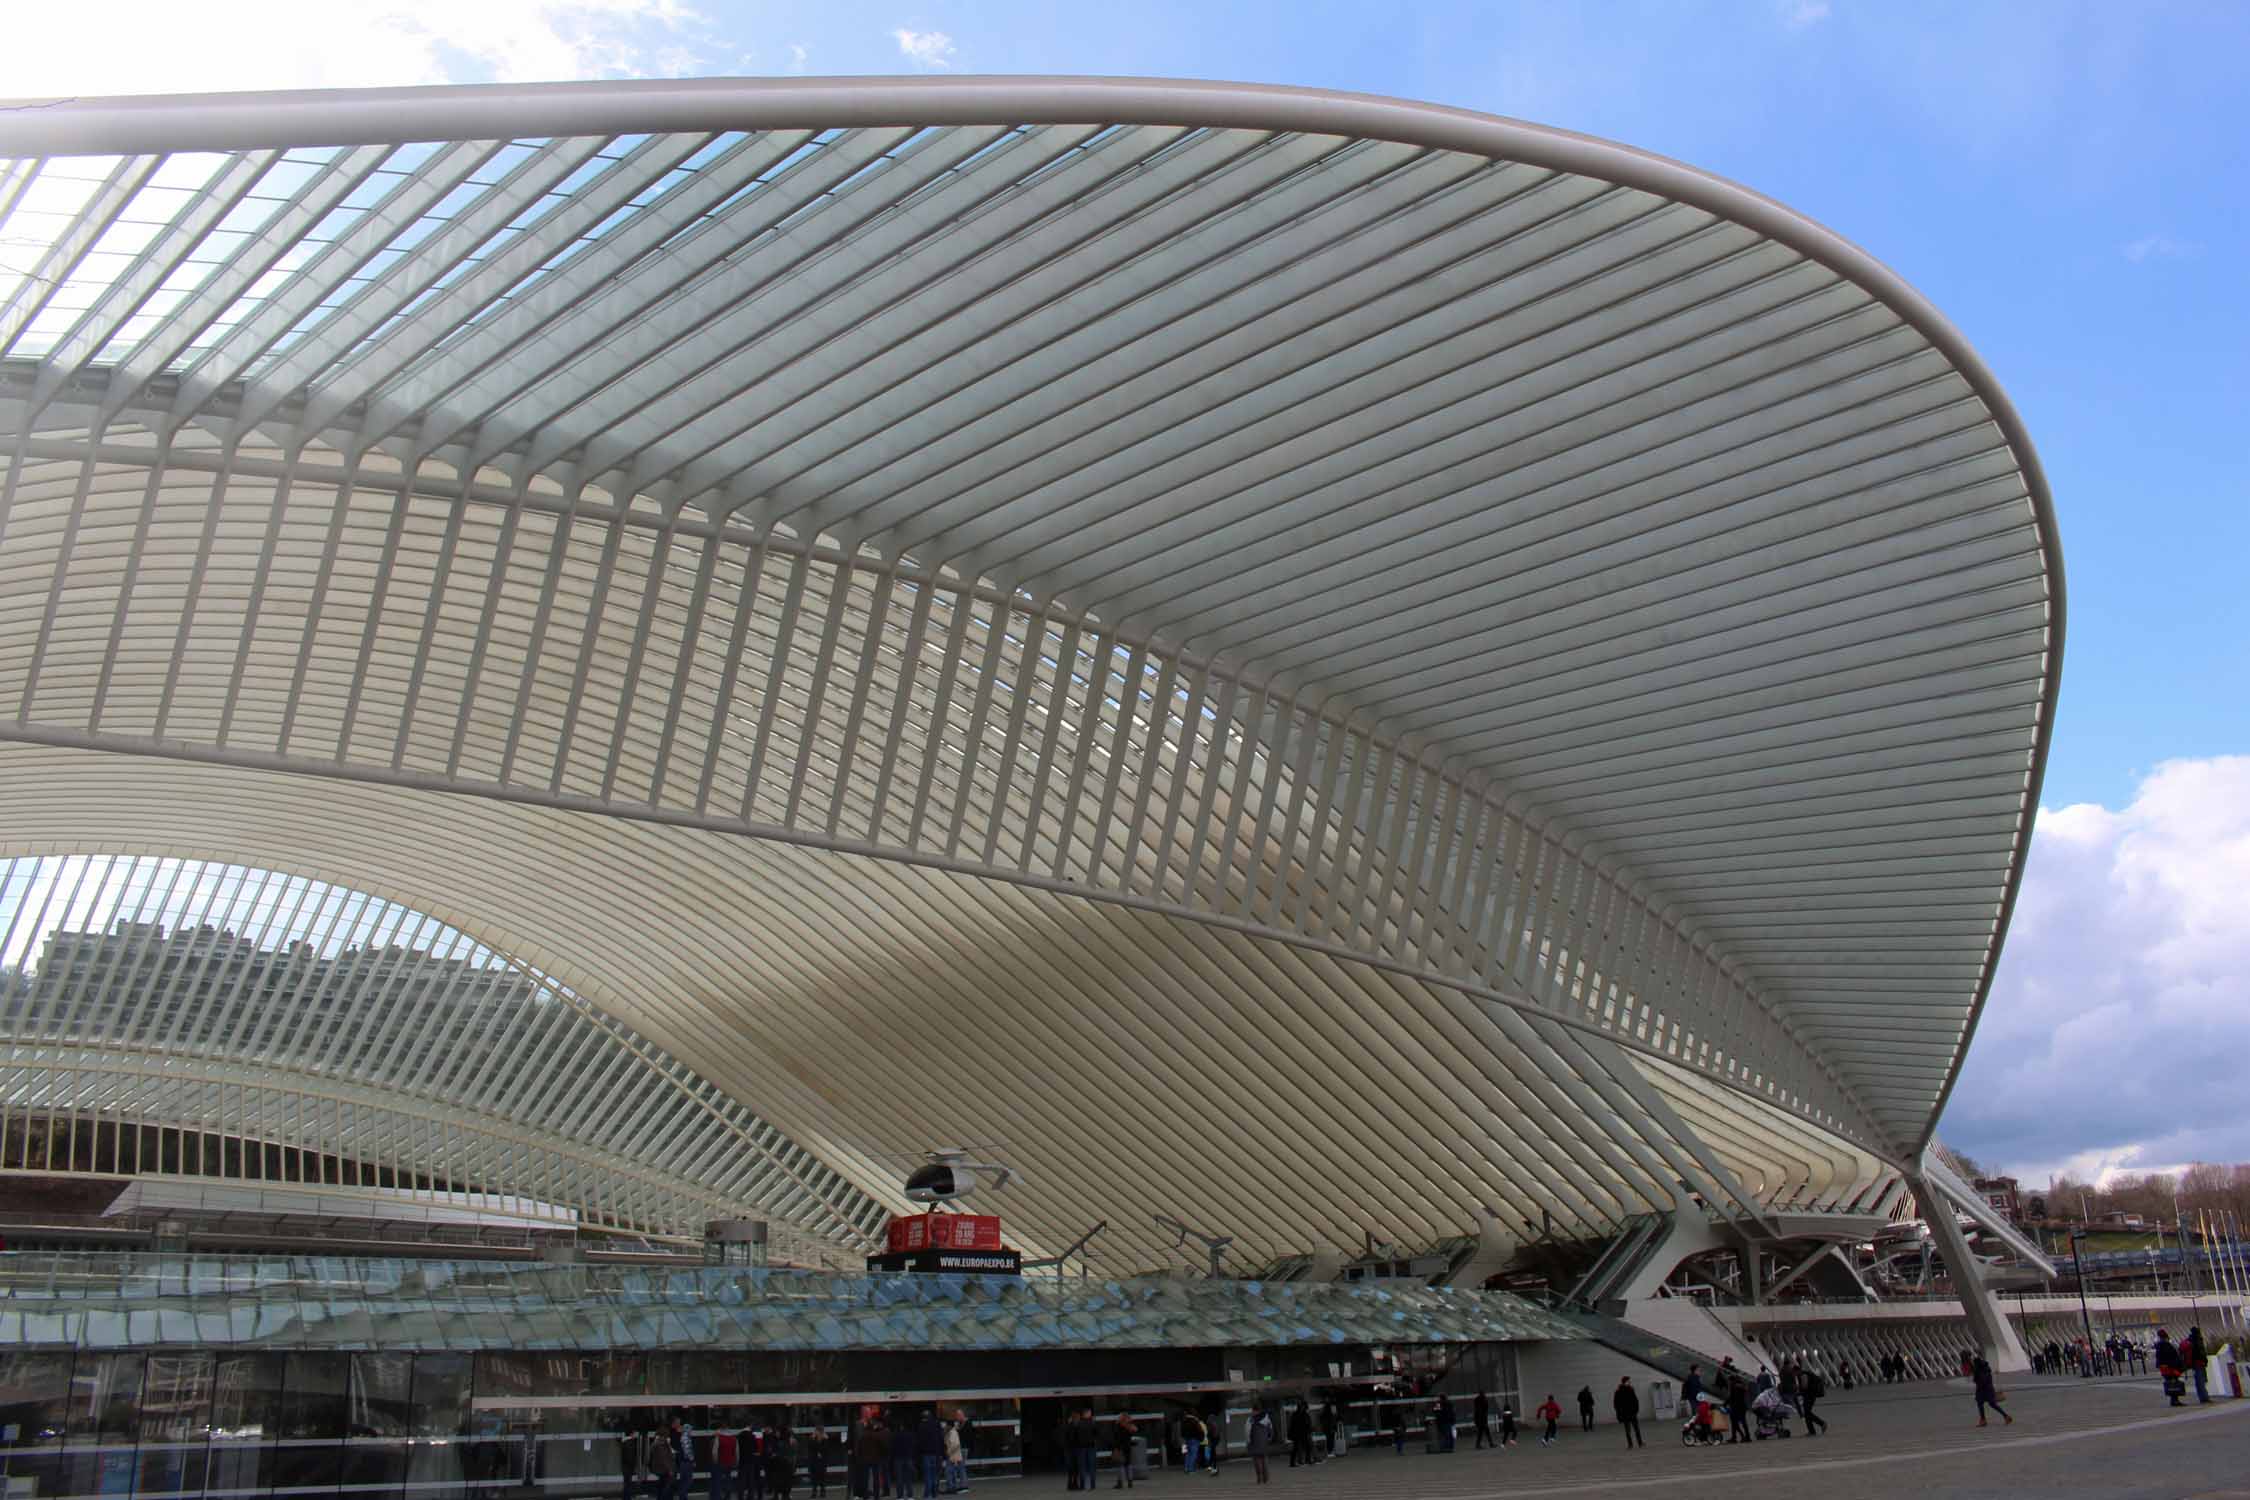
column 244, row 1423
column 94, row 1301
column 177, row 1376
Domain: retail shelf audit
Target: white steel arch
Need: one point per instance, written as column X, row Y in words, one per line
column 1469, row 607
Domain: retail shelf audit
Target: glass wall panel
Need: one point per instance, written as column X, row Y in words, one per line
column 315, row 1406
column 245, row 1421
column 175, row 1428
column 577, row 1446
column 34, row 1402
column 105, row 1393
column 34, row 1395
column 445, row 1451
column 442, row 1388
column 380, row 1418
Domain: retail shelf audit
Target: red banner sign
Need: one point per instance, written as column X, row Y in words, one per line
column 944, row 1232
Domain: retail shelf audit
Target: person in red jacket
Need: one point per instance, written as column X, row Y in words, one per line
column 1550, row 1413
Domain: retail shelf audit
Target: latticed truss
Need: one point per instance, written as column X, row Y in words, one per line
column 1322, row 663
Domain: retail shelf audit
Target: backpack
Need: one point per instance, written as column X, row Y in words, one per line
column 723, row 1451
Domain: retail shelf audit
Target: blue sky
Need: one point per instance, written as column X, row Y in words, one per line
column 2065, row 181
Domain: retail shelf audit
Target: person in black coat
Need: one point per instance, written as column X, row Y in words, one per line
column 1626, row 1402
column 1300, row 1435
column 1586, row 1407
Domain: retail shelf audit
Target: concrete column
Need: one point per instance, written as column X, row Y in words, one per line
column 1994, row 1333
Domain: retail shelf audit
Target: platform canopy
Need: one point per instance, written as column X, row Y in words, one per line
column 1312, row 665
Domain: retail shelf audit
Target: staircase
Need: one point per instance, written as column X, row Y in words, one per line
column 1637, row 1343
column 1689, row 1324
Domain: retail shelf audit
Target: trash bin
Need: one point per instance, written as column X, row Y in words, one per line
column 1140, row 1457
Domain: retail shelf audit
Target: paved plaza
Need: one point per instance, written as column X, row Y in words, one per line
column 2113, row 1439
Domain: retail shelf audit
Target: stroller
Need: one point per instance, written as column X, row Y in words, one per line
column 1706, row 1425
column 1769, row 1415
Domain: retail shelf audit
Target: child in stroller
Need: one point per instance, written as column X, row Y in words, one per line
column 1769, row 1415
column 1706, row 1424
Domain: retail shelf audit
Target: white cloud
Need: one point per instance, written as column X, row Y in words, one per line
column 156, row 46
column 925, row 49
column 799, row 53
column 2124, row 994
column 2160, row 247
column 1797, row 14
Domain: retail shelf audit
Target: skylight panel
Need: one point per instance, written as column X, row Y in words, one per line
column 156, row 204
column 56, row 195
column 502, row 162
column 187, row 172
column 412, row 156
column 127, row 238
column 458, row 201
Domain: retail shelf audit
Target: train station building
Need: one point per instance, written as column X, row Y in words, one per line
column 1412, row 736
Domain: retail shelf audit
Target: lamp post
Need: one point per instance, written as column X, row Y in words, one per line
column 2078, row 1264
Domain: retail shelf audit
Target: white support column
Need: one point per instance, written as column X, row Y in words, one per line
column 1993, row 1331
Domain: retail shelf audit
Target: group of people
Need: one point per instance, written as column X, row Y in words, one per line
column 2179, row 1362
column 891, row 1459
column 1082, row 1448
column 2114, row 1355
column 753, row 1462
column 1768, row 1398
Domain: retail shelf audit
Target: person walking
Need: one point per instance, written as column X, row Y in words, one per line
column 1089, row 1450
column 1261, row 1440
column 1300, row 1436
column 781, row 1461
column 1123, row 1435
column 2198, row 1361
column 2170, row 1366
column 1331, row 1422
column 1550, row 1412
column 658, row 1457
column 1626, row 1402
column 1691, row 1389
column 1987, row 1394
column 750, row 1461
column 1481, row 1411
column 680, row 1449
column 956, row 1458
column 870, row 1460
column 1447, row 1420
column 906, row 1450
column 1738, row 1409
column 1844, row 1373
column 1586, row 1408
column 1398, row 1428
column 723, row 1458
column 1191, row 1442
column 817, row 1455
column 662, row 1462
column 629, row 1448
column 929, row 1451
column 1810, row 1388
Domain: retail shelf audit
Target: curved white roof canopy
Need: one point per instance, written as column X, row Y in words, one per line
column 1183, row 630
